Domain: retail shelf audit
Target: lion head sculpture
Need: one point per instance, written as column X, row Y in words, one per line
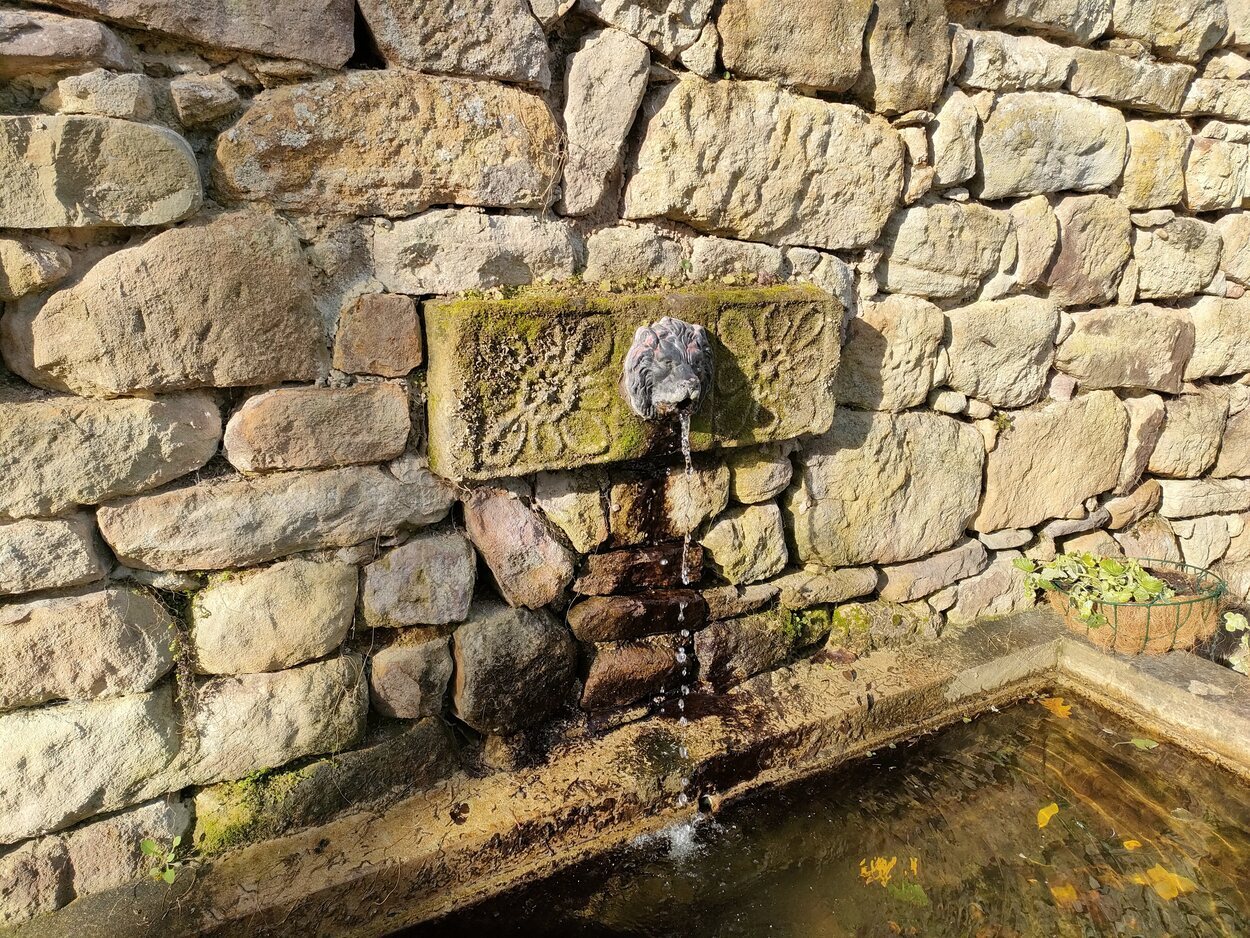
column 668, row 369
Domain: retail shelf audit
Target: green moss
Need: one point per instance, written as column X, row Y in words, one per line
column 230, row 814
column 851, row 618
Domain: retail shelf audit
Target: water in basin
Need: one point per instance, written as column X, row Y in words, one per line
column 1036, row 821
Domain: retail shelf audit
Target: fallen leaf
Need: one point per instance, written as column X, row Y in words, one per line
column 1056, row 706
column 1065, row 895
column 1132, row 844
column 1167, row 884
column 1142, row 743
column 1046, row 813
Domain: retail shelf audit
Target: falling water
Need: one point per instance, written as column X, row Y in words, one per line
column 685, row 649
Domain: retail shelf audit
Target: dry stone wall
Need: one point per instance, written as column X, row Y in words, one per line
column 311, row 445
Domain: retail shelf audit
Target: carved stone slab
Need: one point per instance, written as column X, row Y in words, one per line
column 533, row 382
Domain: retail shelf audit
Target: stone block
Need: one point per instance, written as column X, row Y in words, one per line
column 616, row 618
column 530, row 563
column 1142, row 346
column 1154, row 173
column 944, row 250
column 409, row 679
column 379, row 334
column 427, row 581
column 775, row 41
column 641, row 568
column 33, row 42
column 29, row 264
column 622, row 673
column 52, row 554
column 905, row 582
column 747, row 544
column 1000, row 351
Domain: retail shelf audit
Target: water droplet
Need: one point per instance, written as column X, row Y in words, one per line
column 682, row 800
column 683, row 722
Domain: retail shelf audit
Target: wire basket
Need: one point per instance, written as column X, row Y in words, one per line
column 1176, row 624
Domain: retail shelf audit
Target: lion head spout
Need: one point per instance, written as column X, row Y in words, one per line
column 668, row 369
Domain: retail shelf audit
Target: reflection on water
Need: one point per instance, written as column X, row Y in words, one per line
column 1037, row 821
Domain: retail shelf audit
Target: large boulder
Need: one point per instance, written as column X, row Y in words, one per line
column 224, row 303
column 1000, row 351
column 529, row 562
column 427, row 581
column 60, row 451
column 864, row 491
column 803, row 171
column 106, row 643
column 391, row 142
column 1051, row 459
column 1037, row 142
column 272, row 618
column 50, row 554
column 233, row 523
column 513, row 667
column 76, row 171
column 944, row 250
column 887, row 361
column 1140, row 346
column 484, row 38
column 775, row 41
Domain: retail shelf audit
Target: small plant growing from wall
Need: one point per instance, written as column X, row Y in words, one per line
column 1239, row 658
column 165, row 861
column 1088, row 581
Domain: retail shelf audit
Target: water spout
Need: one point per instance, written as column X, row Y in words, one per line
column 668, row 369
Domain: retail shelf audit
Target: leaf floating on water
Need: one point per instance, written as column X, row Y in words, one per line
column 1065, row 895
column 1056, row 706
column 1045, row 814
column 1132, row 844
column 1167, row 884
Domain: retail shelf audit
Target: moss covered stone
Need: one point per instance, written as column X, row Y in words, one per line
column 532, row 382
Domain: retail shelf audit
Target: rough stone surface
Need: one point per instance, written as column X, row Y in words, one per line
column 1217, row 174
column 103, row 93
column 621, row 673
column 887, row 360
column 814, row 586
column 490, row 416
column 319, row 31
column 917, row 579
column 952, row 137
column 513, row 667
column 691, row 498
column 1128, row 82
column 239, row 523
column 392, row 143
column 106, row 854
column 452, row 250
column 35, row 42
column 1175, row 29
column 80, row 170
column 529, row 562
column 1051, row 460
column 1189, row 498
column 1083, row 22
column 316, row 428
column 906, row 53
column 52, row 554
column 1215, row 98
column 604, row 84
column 1191, row 435
column 776, row 41
column 733, row 650
column 29, row 264
column 35, row 878
column 428, row 581
column 219, row 304
column 744, row 261
column 63, row 763
column 1139, row 346
column 996, row 591
column 615, row 618
column 485, row 38
column 106, row 643
column 634, row 569
column 273, row 618
column 805, row 172
column 1203, row 540
column 944, row 250
column 1036, row 142
column 1146, row 414
column 668, row 26
column 863, row 492
column 1150, row 537
column 747, row 544
column 728, row 601
column 631, row 253
column 1154, row 169
column 1125, row 510
column 1234, row 458
column 379, row 334
column 59, row 451
column 999, row 61
column 200, row 99
column 1221, row 341
column 1234, row 231
column 1177, row 259
column 410, row 680
column 574, row 502
column 758, row 475
column 1094, row 246
column 1000, row 351
column 1037, row 236
column 255, row 722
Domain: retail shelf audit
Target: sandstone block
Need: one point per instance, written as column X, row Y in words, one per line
column 105, row 854
column 409, row 680
column 744, row 261
column 1037, row 236
column 815, row 586
column 728, row 601
column 35, row 878
column 944, row 250
column 1139, row 346
column 952, row 138
column 999, row 61
column 621, row 673
column 1192, row 431
column 1000, row 351
column 493, row 411
column 1234, row 458
column 1146, row 413
column 379, row 334
column 758, row 475
column 914, row 580
column 1094, row 245
column 1234, row 232
column 747, row 544
column 574, row 502
column 1177, row 259
column 887, row 361
column 428, row 581
column 863, row 491
column 317, row 428
column 60, row 451
column 615, row 618
column 30, row 264
column 633, row 252
column 641, row 568
column 1127, row 82
column 1083, row 22
column 1203, row 540
column 1154, row 171
column 485, row 38
column 806, row 172
column 272, row 618
column 1150, row 537
column 239, row 523
column 1221, row 339
column 690, row 498
column 1125, row 510
column 996, row 591
column 219, row 304
column 1189, row 498
column 1051, row 459
column 529, row 562
column 77, row 171
column 106, row 643
column 200, row 99
column 733, row 650
column 604, row 83
column 52, row 554
column 391, row 143
column 906, row 53
column 668, row 26
column 1036, row 142
column 777, row 41
column 513, row 667
column 103, row 93
column 1183, row 30
column 1217, row 174
column 1211, row 97
column 35, row 42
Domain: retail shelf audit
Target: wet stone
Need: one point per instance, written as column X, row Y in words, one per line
column 612, row 618
column 622, row 673
column 633, row 570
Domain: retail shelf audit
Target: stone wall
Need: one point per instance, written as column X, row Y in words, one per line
column 259, row 564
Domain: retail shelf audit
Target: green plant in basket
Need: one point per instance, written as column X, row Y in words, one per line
column 1088, row 581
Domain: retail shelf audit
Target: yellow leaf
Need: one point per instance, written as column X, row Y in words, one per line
column 915, row 866
column 1056, row 706
column 1046, row 813
column 1132, row 844
column 1167, row 884
column 879, row 870
column 1064, row 895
